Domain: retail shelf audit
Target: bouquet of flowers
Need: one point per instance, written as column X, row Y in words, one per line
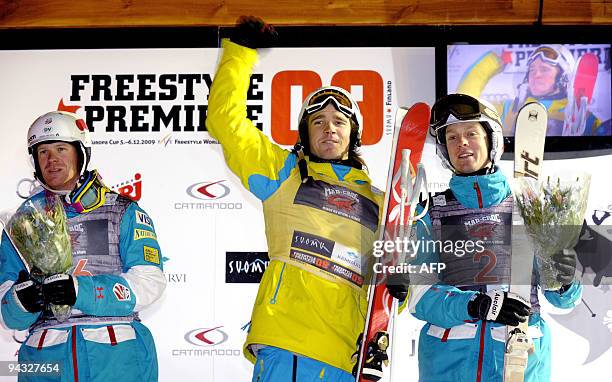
column 39, row 233
column 553, row 210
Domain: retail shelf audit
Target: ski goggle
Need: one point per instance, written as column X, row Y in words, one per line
column 457, row 108
column 340, row 101
column 546, row 54
column 89, row 194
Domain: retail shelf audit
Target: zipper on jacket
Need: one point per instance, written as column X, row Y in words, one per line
column 478, row 194
column 481, row 351
column 280, row 279
column 75, row 366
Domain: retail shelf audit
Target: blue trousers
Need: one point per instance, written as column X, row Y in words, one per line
column 279, row 365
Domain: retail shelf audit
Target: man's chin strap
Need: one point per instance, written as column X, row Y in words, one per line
column 58, row 192
column 63, row 193
column 345, row 162
column 298, row 150
column 483, row 171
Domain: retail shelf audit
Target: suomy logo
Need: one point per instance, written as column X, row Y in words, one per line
column 208, row 190
column 206, row 336
column 245, row 267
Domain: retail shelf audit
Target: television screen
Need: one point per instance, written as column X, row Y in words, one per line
column 571, row 80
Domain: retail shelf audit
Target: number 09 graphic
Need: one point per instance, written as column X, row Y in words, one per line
column 371, row 104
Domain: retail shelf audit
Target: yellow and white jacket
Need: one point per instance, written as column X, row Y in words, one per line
column 312, row 297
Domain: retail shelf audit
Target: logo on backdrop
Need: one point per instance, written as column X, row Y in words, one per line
column 209, row 195
column 145, row 103
column 171, row 277
column 206, row 336
column 130, row 188
column 208, row 190
column 208, row 342
column 245, row 267
column 162, row 109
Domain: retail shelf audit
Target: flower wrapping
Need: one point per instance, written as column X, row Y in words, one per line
column 553, row 210
column 39, row 232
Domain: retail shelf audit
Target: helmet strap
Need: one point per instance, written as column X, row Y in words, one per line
column 483, row 171
column 298, row 150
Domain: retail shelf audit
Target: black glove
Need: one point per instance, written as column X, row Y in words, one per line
column 29, row 293
column 565, row 263
column 253, row 32
column 398, row 284
column 502, row 307
column 60, row 290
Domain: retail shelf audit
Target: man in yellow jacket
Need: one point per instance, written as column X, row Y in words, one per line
column 321, row 214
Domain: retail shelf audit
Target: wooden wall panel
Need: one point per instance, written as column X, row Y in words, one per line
column 121, row 13
column 578, row 12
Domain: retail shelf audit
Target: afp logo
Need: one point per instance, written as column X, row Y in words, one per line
column 206, row 336
column 208, row 190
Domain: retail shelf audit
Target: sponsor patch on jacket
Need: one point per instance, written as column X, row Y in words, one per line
column 121, row 292
column 328, row 266
column 110, row 199
column 90, row 237
column 439, row 200
column 151, row 254
column 143, row 219
column 338, row 253
column 312, row 243
column 339, row 201
column 144, row 234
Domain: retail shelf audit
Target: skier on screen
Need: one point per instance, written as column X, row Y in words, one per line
column 550, row 71
column 468, row 306
column 321, row 215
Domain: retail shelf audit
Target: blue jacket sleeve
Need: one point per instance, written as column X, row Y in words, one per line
column 138, row 246
column 431, row 301
column 567, row 299
column 13, row 315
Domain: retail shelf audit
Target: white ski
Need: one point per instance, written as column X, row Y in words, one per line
column 529, row 138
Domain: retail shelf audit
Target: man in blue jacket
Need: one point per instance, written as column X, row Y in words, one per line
column 116, row 270
column 468, row 306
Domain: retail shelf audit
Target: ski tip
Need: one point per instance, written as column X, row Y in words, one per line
column 420, row 106
column 532, row 111
column 532, row 105
column 414, row 119
column 418, row 112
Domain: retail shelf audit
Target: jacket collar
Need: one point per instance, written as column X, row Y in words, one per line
column 480, row 191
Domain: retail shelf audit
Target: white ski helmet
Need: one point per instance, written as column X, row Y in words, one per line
column 457, row 108
column 59, row 126
column 558, row 55
column 341, row 99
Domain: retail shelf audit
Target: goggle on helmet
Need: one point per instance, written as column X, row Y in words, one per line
column 339, row 98
column 554, row 54
column 457, row 108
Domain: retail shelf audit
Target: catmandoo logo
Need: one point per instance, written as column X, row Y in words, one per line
column 208, row 190
column 206, row 336
column 208, row 195
column 209, row 342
